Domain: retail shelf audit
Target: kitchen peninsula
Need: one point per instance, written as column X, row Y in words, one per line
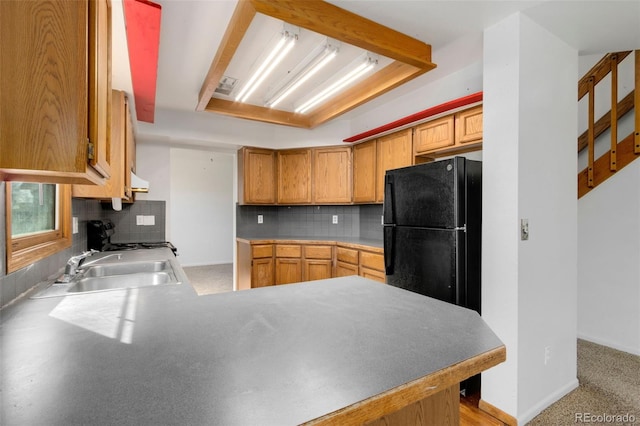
column 338, row 351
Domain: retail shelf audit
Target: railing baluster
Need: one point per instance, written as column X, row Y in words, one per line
column 614, row 112
column 590, row 131
column 636, row 104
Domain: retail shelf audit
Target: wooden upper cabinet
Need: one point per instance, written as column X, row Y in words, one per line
column 469, row 125
column 434, row 134
column 364, row 172
column 55, row 60
column 119, row 184
column 294, row 176
column 393, row 151
column 100, row 97
column 332, row 182
column 257, row 174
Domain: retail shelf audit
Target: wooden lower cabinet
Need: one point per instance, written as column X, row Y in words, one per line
column 345, row 269
column 288, row 263
column 318, row 262
column 260, row 265
column 262, row 272
column 254, row 265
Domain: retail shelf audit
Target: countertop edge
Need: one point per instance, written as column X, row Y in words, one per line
column 399, row 397
column 335, row 242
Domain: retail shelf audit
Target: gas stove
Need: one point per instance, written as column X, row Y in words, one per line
column 99, row 234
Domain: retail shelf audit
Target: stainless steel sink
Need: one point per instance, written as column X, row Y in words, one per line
column 114, row 276
column 127, row 268
column 112, row 282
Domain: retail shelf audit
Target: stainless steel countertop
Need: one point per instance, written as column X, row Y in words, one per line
column 270, row 356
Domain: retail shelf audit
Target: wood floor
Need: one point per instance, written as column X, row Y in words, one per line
column 471, row 415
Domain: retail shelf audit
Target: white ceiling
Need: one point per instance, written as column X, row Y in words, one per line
column 191, row 31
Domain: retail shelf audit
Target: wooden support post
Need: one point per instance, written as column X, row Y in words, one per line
column 636, row 104
column 614, row 112
column 590, row 132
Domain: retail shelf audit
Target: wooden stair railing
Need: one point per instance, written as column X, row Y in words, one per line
column 620, row 153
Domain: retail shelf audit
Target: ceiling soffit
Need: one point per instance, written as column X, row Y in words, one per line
column 410, row 58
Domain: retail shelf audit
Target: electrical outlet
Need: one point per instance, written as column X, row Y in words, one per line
column 75, row 225
column 334, row 220
column 149, row 220
column 382, row 220
column 260, row 219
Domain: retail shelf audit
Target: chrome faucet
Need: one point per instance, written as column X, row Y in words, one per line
column 73, row 264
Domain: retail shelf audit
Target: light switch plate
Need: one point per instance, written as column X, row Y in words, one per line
column 139, row 220
column 260, row 219
column 75, row 225
column 334, row 220
column 149, row 220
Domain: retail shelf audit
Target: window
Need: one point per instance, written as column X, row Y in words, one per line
column 38, row 222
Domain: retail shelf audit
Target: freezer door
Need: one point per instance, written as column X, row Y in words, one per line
column 426, row 261
column 427, row 195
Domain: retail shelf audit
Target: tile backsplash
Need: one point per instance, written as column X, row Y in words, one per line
column 359, row 221
column 14, row 284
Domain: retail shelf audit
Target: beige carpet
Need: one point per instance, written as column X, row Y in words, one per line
column 210, row 279
column 609, row 385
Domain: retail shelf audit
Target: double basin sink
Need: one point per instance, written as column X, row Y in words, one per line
column 128, row 270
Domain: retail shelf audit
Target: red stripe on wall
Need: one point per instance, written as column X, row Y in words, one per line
column 418, row 116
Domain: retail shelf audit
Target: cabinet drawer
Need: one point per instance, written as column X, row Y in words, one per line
column 372, row 260
column 262, row 250
column 288, row 250
column 318, row 252
column 347, row 255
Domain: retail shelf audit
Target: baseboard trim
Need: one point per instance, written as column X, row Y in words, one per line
column 609, row 344
column 497, row 413
column 550, row 400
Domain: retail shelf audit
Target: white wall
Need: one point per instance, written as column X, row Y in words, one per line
column 609, row 252
column 529, row 287
column 202, row 207
column 152, row 165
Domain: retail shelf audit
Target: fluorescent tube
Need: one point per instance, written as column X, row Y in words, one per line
column 275, row 56
column 347, row 79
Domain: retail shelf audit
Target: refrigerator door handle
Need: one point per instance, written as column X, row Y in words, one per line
column 387, row 202
column 389, row 249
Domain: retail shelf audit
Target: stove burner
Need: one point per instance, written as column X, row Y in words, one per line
column 99, row 234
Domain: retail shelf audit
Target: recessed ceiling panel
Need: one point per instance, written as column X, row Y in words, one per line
column 263, row 34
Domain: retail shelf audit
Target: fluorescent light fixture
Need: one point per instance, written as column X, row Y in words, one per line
column 281, row 49
column 311, row 68
column 341, row 83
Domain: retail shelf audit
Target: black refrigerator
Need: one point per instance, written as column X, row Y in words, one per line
column 432, row 232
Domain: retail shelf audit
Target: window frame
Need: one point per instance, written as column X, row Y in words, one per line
column 23, row 251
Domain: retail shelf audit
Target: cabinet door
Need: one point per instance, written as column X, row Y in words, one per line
column 364, row 172
column 99, row 94
column 294, row 176
column 116, row 185
column 332, row 175
column 288, row 270
column 372, row 274
column 44, row 90
column 262, row 272
column 469, row 125
column 317, row 269
column 346, row 269
column 257, row 176
column 393, row 151
column 434, row 135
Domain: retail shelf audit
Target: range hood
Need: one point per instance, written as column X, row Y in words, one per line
column 138, row 184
